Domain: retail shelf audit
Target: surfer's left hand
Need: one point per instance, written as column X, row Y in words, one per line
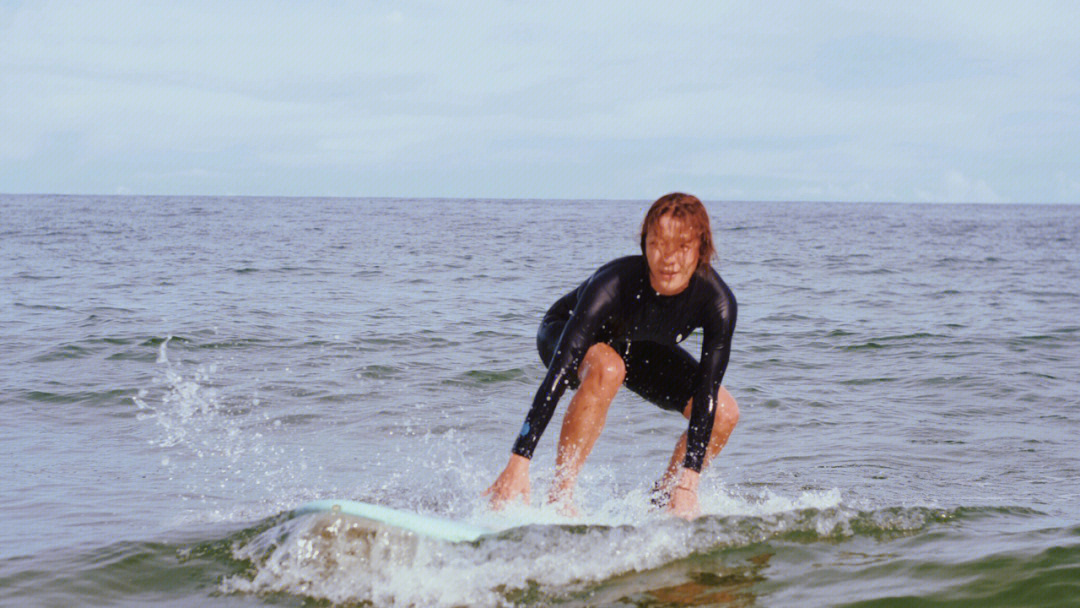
column 684, row 499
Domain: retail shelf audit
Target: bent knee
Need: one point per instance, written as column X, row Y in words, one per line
column 604, row 365
column 727, row 409
column 725, row 412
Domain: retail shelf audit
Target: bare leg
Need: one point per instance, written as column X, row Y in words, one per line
column 727, row 416
column 602, row 372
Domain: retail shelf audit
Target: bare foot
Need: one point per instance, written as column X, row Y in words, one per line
column 568, row 509
column 564, row 503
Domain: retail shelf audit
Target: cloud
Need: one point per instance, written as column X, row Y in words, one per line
column 835, row 99
column 955, row 187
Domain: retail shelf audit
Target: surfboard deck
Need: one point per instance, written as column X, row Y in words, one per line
column 426, row 525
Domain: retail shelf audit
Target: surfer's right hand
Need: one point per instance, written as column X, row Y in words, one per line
column 511, row 483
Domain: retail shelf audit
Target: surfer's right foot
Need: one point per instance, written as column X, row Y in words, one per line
column 564, row 503
column 568, row 509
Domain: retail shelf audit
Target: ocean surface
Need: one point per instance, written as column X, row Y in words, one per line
column 177, row 374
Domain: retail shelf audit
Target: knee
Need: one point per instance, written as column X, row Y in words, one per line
column 727, row 410
column 603, row 365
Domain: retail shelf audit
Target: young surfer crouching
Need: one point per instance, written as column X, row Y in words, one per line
column 623, row 326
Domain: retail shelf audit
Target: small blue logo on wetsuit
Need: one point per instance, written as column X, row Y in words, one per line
column 525, row 428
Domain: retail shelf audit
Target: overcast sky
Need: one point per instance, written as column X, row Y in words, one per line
column 848, row 101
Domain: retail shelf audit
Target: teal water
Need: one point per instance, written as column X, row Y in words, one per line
column 177, row 374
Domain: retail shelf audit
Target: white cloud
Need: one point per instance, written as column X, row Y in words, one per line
column 839, row 99
column 955, row 187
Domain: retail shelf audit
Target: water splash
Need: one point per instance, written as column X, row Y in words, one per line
column 163, row 357
column 225, row 449
column 343, row 559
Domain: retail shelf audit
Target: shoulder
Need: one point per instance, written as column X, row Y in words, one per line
column 714, row 284
column 716, row 292
column 625, row 266
column 621, row 271
column 612, row 281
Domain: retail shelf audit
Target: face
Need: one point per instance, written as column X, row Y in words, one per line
column 672, row 249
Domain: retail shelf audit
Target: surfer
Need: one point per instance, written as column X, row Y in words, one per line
column 621, row 326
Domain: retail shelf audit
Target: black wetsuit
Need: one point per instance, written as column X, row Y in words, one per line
column 619, row 307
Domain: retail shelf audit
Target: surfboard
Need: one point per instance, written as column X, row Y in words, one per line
column 426, row 525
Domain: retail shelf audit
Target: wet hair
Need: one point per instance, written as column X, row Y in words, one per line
column 687, row 208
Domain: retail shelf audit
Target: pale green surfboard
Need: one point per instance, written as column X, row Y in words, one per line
column 426, row 525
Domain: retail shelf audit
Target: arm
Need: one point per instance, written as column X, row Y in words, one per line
column 593, row 306
column 715, row 352
column 719, row 325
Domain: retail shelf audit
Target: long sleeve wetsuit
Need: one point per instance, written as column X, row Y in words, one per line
column 618, row 306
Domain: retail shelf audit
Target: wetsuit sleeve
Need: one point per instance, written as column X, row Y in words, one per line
column 596, row 302
column 718, row 328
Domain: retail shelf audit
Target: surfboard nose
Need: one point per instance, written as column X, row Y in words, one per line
column 431, row 526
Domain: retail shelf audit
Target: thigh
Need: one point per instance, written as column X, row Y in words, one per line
column 664, row 375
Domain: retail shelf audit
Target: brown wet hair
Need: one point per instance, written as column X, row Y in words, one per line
column 687, row 208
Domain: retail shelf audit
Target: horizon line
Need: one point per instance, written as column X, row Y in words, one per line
column 518, row 199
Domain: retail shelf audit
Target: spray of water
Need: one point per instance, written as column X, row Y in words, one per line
column 223, row 450
column 226, row 450
column 341, row 559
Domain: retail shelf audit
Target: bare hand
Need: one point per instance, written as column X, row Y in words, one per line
column 684, row 504
column 511, row 483
column 684, row 499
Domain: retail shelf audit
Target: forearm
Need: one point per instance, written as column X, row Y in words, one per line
column 715, row 354
column 543, row 408
column 703, row 411
column 699, row 431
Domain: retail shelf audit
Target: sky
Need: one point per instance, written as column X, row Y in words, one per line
column 802, row 101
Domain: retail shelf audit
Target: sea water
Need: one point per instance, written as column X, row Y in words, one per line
column 177, row 374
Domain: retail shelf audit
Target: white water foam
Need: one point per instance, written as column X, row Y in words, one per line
column 341, row 559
